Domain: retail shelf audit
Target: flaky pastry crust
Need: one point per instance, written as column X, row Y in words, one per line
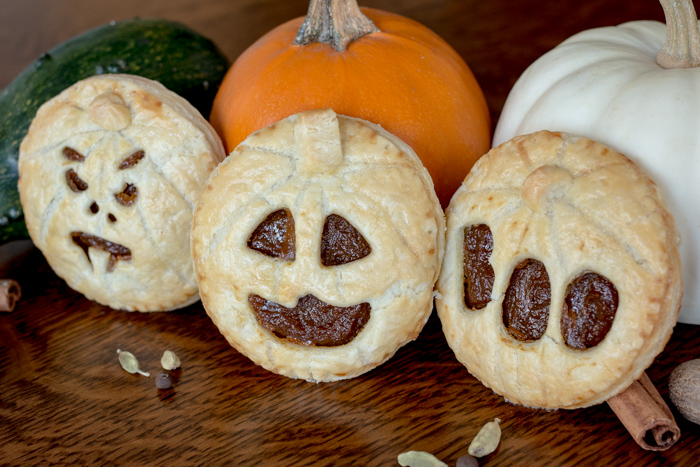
column 316, row 164
column 117, row 229
column 576, row 206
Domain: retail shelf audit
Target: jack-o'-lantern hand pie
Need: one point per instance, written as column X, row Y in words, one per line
column 561, row 281
column 109, row 174
column 317, row 244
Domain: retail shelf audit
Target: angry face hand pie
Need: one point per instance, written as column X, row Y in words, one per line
column 317, row 244
column 561, row 281
column 110, row 172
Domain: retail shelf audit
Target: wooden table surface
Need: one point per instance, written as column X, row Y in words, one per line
column 64, row 399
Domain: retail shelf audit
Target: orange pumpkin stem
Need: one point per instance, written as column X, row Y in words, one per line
column 682, row 46
column 334, row 22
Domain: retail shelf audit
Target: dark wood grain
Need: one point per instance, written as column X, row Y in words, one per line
column 65, row 400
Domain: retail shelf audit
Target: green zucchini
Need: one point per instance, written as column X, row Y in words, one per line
column 182, row 60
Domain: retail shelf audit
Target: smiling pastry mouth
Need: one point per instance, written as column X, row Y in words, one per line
column 311, row 322
column 116, row 251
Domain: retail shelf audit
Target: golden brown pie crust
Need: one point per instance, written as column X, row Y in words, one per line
column 576, row 206
column 110, row 172
column 317, row 164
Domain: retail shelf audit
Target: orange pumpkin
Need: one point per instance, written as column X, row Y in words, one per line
column 381, row 67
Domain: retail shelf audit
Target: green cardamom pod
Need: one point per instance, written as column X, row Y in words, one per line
column 130, row 363
column 169, row 361
column 486, row 440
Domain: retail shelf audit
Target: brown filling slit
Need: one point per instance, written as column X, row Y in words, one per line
column 116, row 251
column 311, row 322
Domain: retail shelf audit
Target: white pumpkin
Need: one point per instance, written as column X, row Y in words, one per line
column 607, row 85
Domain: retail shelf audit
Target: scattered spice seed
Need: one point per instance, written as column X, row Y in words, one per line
column 467, row 461
column 164, row 380
column 169, row 361
column 419, row 459
column 130, row 363
column 10, row 293
column 486, row 440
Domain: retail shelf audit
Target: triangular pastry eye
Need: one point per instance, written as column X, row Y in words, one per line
column 341, row 243
column 275, row 236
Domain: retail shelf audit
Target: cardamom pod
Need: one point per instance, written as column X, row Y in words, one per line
column 169, row 361
column 130, row 363
column 486, row 440
column 419, row 459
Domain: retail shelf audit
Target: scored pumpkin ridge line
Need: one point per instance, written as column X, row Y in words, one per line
column 50, row 212
column 558, row 251
column 401, row 287
column 523, row 154
column 158, row 169
column 289, row 154
column 362, row 166
column 567, row 139
column 73, row 104
column 325, row 210
column 53, row 146
column 507, row 209
column 486, row 190
column 598, row 168
column 632, row 252
column 380, row 207
column 526, row 229
column 297, row 203
column 185, row 280
column 544, row 387
column 232, row 217
column 555, row 309
column 518, row 373
column 270, row 353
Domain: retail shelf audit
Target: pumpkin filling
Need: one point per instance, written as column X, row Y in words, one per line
column 311, row 322
column 128, row 196
column 132, row 160
column 274, row 236
column 72, row 154
column 527, row 299
column 75, row 183
column 589, row 310
column 341, row 243
column 478, row 272
column 116, row 251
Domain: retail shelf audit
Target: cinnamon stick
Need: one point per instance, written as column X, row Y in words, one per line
column 10, row 293
column 644, row 413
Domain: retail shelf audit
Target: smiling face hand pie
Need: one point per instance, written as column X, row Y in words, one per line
column 110, row 172
column 561, row 281
column 317, row 244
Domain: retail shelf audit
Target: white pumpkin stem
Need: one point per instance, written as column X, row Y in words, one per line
column 682, row 46
column 334, row 22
